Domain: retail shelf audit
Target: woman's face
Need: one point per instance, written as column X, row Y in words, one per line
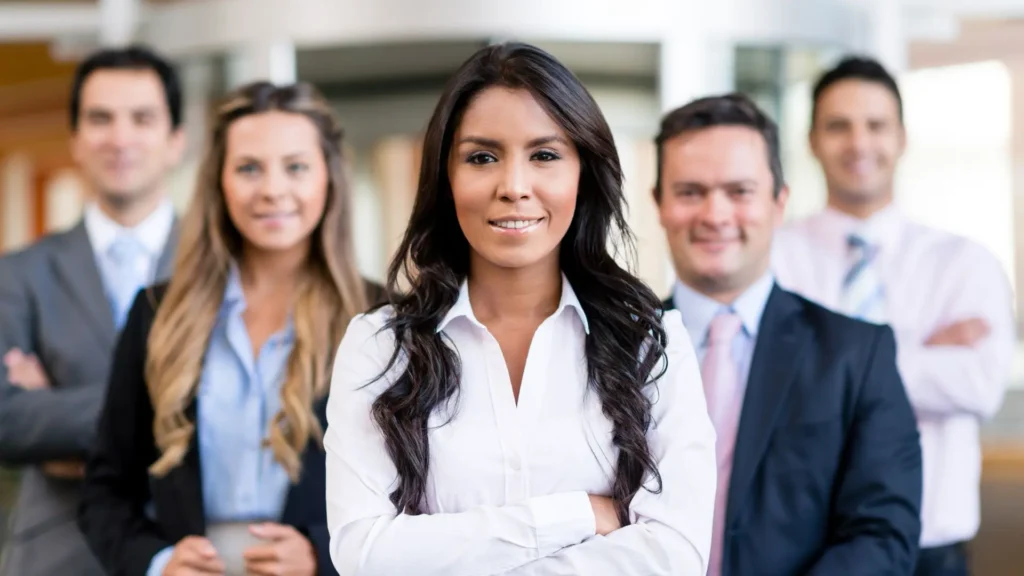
column 514, row 175
column 274, row 179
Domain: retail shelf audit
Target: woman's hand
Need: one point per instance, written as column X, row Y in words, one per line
column 285, row 553
column 606, row 514
column 194, row 556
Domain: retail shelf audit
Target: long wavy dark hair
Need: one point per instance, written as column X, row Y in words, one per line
column 626, row 342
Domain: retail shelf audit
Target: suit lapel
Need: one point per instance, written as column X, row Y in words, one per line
column 777, row 356
column 165, row 265
column 76, row 269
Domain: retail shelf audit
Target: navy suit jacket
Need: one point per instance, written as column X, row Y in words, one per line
column 826, row 477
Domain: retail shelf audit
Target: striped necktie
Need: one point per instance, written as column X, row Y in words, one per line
column 863, row 294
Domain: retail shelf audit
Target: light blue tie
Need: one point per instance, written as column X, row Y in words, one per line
column 126, row 277
column 863, row 295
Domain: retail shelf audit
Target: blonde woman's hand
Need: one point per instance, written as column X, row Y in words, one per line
column 285, row 552
column 194, row 556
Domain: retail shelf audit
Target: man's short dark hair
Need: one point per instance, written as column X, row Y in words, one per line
column 856, row 68
column 130, row 58
column 728, row 110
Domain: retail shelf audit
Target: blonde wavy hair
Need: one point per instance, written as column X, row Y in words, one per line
column 330, row 293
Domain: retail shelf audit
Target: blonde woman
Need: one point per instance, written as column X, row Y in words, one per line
column 215, row 411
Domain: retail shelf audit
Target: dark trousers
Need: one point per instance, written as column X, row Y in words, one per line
column 950, row 560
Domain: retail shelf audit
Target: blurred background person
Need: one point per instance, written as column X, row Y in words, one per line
column 216, row 407
column 524, row 409
column 946, row 297
column 837, row 490
column 64, row 299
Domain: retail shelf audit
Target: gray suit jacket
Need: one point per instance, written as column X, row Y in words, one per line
column 52, row 303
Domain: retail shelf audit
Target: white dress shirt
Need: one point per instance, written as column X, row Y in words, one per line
column 931, row 279
column 507, row 487
column 152, row 234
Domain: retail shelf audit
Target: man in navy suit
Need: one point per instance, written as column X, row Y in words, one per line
column 818, row 451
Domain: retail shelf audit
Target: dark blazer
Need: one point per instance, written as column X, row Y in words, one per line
column 52, row 304
column 826, row 476
column 118, row 485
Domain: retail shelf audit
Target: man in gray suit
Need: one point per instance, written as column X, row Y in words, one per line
column 63, row 300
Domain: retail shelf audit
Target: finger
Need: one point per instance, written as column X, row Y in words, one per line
column 202, row 564
column 273, row 531
column 13, row 356
column 264, row 553
column 200, row 546
column 265, row 568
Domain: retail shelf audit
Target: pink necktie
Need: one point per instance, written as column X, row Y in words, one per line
column 722, row 390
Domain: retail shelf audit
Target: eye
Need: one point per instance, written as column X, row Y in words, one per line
column 545, row 156
column 481, row 158
column 247, row 169
column 297, row 167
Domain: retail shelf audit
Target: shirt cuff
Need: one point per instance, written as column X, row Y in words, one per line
column 160, row 561
column 562, row 520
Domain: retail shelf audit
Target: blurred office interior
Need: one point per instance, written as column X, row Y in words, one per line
column 383, row 63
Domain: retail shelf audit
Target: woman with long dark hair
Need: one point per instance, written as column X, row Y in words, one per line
column 524, row 407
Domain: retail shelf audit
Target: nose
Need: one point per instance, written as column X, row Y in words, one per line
column 274, row 184
column 121, row 132
column 716, row 209
column 860, row 138
column 514, row 184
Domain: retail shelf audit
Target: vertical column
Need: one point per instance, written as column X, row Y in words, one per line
column 118, row 20
column 1017, row 146
column 396, row 168
column 198, row 79
column 884, row 33
column 65, row 198
column 16, row 195
column 270, row 60
column 695, row 60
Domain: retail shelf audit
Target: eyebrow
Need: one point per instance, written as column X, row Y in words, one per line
column 680, row 184
column 251, row 158
column 491, row 143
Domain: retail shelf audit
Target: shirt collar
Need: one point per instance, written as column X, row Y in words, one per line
column 698, row 310
column 151, row 233
column 463, row 308
column 881, row 229
column 234, row 303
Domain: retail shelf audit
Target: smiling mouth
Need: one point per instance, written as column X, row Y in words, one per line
column 523, row 224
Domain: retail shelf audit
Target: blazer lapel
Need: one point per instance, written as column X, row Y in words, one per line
column 165, row 264
column 188, row 480
column 75, row 264
column 774, row 367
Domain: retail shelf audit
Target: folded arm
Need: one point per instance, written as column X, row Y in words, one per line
column 43, row 424
column 670, row 532
column 968, row 379
column 876, row 511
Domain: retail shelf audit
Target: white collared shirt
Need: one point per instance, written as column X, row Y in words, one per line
column 931, row 279
column 507, row 487
column 152, row 233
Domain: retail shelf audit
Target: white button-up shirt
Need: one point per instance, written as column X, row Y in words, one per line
column 507, row 487
column 152, row 233
column 931, row 279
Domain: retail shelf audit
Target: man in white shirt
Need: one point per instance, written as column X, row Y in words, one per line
column 819, row 461
column 64, row 299
column 945, row 297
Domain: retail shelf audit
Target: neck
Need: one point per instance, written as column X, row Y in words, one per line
column 129, row 212
column 275, row 272
column 724, row 290
column 861, row 209
column 521, row 293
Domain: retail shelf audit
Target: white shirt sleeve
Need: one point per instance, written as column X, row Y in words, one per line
column 949, row 380
column 369, row 537
column 671, row 531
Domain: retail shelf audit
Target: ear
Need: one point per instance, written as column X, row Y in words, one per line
column 780, row 205
column 177, row 149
